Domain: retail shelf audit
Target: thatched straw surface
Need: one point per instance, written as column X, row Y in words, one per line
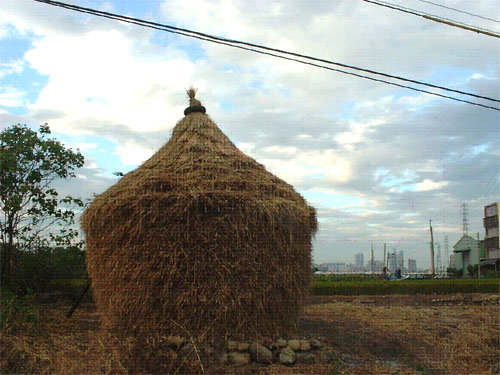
column 201, row 237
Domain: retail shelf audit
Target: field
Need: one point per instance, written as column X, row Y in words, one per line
column 389, row 334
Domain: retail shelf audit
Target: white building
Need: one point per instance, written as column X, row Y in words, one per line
column 412, row 265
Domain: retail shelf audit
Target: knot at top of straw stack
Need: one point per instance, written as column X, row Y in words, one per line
column 191, row 93
column 194, row 104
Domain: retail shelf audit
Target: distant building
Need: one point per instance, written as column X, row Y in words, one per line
column 401, row 261
column 359, row 261
column 412, row 265
column 393, row 261
column 452, row 261
column 491, row 244
column 467, row 251
column 336, row 267
column 378, row 266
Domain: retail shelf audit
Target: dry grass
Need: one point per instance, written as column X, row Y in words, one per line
column 457, row 339
column 389, row 336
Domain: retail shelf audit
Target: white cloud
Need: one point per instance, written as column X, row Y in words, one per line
column 84, row 146
column 246, row 147
column 7, row 68
column 427, row 185
column 11, row 97
column 295, row 165
column 98, row 76
column 132, row 153
column 358, row 132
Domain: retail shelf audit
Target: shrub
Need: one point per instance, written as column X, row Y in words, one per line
column 453, row 272
column 472, row 270
column 41, row 267
column 379, row 287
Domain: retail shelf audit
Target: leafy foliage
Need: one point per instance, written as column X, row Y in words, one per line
column 41, row 268
column 472, row 270
column 453, row 272
column 31, row 212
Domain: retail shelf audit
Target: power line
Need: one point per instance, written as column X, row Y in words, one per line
column 242, row 45
column 459, row 11
column 215, row 39
column 435, row 18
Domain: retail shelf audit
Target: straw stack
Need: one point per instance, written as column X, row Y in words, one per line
column 199, row 241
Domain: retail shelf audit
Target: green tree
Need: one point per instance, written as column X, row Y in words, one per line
column 31, row 212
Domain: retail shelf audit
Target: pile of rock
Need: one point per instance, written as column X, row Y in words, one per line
column 264, row 352
column 285, row 352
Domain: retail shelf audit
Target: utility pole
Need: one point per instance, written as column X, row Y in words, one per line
column 432, row 250
column 372, row 262
column 478, row 257
column 384, row 255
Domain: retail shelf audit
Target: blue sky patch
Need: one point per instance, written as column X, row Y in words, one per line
column 15, row 45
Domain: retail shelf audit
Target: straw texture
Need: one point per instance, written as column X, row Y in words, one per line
column 199, row 240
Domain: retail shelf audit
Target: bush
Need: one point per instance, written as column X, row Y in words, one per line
column 37, row 269
column 338, row 278
column 379, row 287
column 472, row 270
column 453, row 272
column 491, row 274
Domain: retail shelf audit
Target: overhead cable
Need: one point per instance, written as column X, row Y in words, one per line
column 242, row 45
column 435, row 18
column 213, row 38
column 459, row 11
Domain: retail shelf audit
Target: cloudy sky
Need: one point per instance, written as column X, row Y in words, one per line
column 376, row 161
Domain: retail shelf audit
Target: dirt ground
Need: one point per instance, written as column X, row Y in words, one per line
column 449, row 334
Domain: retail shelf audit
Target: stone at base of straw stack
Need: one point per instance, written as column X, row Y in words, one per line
column 178, row 354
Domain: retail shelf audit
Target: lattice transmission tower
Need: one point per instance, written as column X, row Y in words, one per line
column 439, row 266
column 465, row 219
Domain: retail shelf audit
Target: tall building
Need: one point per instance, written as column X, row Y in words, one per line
column 491, row 243
column 393, row 261
column 359, row 261
column 401, row 260
column 412, row 265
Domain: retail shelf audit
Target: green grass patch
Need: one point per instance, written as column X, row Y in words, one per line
column 381, row 287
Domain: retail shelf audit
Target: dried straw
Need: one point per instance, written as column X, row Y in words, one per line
column 203, row 236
